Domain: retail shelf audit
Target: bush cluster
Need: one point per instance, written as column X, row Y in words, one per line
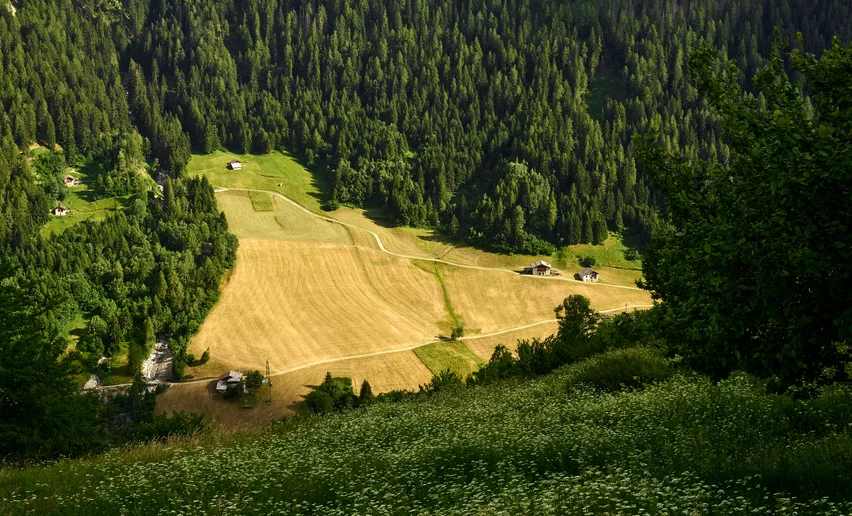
column 681, row 446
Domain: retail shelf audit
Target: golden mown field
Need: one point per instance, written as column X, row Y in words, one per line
column 312, row 295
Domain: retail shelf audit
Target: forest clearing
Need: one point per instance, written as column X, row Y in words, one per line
column 312, row 295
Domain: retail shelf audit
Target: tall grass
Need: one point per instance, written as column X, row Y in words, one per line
column 681, row 445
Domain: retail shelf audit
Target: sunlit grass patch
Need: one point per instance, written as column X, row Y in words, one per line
column 82, row 205
column 262, row 201
column 262, row 172
column 452, row 355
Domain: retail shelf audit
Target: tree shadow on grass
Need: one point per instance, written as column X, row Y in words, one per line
column 320, row 177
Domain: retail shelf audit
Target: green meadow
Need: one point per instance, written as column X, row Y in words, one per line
column 276, row 171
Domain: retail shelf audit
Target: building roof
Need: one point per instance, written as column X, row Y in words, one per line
column 231, row 375
column 233, row 161
column 539, row 263
column 588, row 272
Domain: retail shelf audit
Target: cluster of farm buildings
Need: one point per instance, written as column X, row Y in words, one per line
column 70, row 181
column 542, row 268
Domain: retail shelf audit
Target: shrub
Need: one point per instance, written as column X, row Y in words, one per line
column 233, row 391
column 587, row 261
column 190, row 358
column 253, row 379
column 334, row 393
column 178, row 368
column 163, row 425
column 205, row 357
column 319, row 402
column 631, row 368
column 446, row 381
column 631, row 254
column 458, row 332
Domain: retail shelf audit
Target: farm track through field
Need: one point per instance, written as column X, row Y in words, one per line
column 490, row 327
column 400, row 350
column 410, row 348
column 410, row 257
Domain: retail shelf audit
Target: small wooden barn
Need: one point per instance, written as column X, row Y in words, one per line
column 235, row 164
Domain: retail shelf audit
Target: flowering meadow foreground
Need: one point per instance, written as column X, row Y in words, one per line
column 547, row 446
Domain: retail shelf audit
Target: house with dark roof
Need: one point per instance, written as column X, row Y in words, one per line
column 587, row 274
column 235, row 164
column 60, row 211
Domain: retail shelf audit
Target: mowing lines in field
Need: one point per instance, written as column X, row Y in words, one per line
column 282, row 222
column 262, row 201
column 301, row 302
column 492, row 301
column 388, row 372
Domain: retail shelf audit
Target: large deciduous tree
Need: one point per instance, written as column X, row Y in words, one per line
column 754, row 269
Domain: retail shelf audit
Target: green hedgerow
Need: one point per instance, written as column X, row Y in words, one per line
column 630, row 368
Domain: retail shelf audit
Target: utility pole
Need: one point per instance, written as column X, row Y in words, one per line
column 268, row 385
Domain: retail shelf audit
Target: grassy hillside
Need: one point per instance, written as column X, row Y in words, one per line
column 267, row 172
column 311, row 296
column 261, row 172
column 684, row 446
column 82, row 204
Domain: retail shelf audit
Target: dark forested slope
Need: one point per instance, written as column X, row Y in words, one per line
column 421, row 107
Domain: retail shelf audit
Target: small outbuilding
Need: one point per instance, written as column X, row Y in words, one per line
column 228, row 380
column 60, row 211
column 71, row 180
column 235, row 164
column 588, row 275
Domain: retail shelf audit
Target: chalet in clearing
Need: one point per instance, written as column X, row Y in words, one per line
column 60, row 211
column 588, row 274
column 235, row 164
column 71, row 180
column 539, row 268
column 227, row 380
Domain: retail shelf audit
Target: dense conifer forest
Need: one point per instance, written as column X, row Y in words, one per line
column 507, row 123
column 514, row 119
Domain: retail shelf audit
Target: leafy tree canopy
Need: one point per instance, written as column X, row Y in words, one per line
column 754, row 269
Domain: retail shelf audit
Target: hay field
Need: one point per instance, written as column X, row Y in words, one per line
column 387, row 372
column 262, row 201
column 295, row 303
column 483, row 346
column 312, row 296
column 282, row 222
column 609, row 254
column 419, row 242
column 428, row 244
column 491, row 301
